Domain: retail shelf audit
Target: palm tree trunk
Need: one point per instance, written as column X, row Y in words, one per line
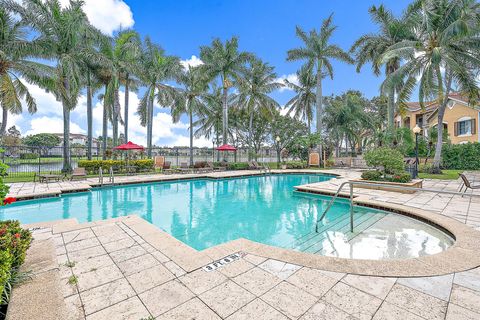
column 89, row 118
column 443, row 100
column 149, row 125
column 116, row 112
column 225, row 112
column 104, row 126
column 3, row 128
column 67, row 166
column 391, row 110
column 127, row 80
column 190, row 114
column 250, row 137
column 319, row 102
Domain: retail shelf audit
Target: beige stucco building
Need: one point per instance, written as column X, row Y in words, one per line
column 460, row 120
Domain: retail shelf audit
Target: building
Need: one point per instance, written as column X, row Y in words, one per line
column 77, row 141
column 460, row 120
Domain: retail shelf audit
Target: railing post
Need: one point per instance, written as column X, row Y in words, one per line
column 351, row 207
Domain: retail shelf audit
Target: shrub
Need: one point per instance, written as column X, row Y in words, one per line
column 92, row 166
column 237, row 166
column 143, row 165
column 14, row 242
column 28, row 156
column 295, row 164
column 461, row 156
column 402, row 177
column 372, row 175
column 389, row 160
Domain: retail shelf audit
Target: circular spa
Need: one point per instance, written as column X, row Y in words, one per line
column 205, row 212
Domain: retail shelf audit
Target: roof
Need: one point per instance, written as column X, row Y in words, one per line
column 432, row 106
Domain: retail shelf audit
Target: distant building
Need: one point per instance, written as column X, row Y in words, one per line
column 77, row 139
column 460, row 120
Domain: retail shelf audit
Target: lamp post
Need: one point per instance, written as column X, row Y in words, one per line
column 416, row 130
column 277, row 139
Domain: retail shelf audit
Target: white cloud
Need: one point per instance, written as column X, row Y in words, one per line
column 194, row 61
column 292, row 77
column 50, row 125
column 107, row 15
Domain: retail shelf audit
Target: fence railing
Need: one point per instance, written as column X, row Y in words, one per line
column 26, row 161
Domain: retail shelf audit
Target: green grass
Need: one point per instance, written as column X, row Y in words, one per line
column 445, row 175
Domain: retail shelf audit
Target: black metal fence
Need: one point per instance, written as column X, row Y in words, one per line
column 24, row 161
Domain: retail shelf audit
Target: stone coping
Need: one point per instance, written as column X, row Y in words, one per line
column 142, row 179
column 461, row 256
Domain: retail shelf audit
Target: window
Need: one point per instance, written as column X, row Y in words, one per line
column 465, row 127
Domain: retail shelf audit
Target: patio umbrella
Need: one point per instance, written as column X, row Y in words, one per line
column 127, row 147
column 226, row 147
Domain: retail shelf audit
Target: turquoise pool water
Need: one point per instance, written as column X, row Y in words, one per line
column 204, row 213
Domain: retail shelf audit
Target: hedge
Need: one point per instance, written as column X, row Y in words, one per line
column 14, row 242
column 92, row 166
column 461, row 156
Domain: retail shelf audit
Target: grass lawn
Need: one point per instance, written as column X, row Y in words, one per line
column 445, row 175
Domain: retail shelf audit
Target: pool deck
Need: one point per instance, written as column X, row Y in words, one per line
column 126, row 268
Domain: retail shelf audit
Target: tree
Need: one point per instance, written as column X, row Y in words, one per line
column 255, row 84
column 59, row 33
column 225, row 61
column 302, row 104
column 317, row 51
column 371, row 47
column 443, row 55
column 14, row 48
column 127, row 52
column 156, row 68
column 42, row 141
column 195, row 85
column 12, row 138
column 284, row 130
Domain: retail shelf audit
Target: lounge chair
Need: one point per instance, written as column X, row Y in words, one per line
column 159, row 162
column 467, row 184
column 253, row 165
column 184, row 168
column 216, row 168
column 78, row 173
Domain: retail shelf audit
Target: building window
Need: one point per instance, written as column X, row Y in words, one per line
column 465, row 127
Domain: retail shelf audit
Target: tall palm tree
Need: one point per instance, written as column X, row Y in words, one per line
column 318, row 52
column 225, row 61
column 302, row 104
column 14, row 49
column 255, row 84
column 156, row 68
column 371, row 47
column 209, row 117
column 127, row 52
column 195, row 86
column 444, row 55
column 59, row 34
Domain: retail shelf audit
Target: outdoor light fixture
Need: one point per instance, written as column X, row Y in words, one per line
column 416, row 130
column 277, row 139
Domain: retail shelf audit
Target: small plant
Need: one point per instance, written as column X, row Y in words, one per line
column 372, row 175
column 387, row 160
column 73, row 280
column 70, row 264
column 149, row 318
column 402, row 177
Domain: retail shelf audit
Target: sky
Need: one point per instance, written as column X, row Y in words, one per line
column 264, row 27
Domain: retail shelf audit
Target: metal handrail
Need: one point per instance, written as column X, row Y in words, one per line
column 111, row 179
column 360, row 183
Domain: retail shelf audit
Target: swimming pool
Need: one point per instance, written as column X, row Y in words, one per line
column 206, row 212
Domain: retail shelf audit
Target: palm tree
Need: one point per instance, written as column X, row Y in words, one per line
column 195, row 89
column 59, row 37
column 14, row 48
column 155, row 69
column 255, row 84
column 302, row 104
column 444, row 55
column 223, row 60
column 371, row 47
column 127, row 52
column 318, row 52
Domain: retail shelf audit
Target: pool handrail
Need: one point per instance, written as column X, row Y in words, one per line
column 360, row 183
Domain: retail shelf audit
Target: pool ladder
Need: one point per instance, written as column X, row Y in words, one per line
column 111, row 178
column 369, row 184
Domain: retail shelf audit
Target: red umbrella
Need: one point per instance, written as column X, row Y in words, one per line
column 129, row 146
column 226, row 147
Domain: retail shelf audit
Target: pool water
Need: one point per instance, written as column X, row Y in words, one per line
column 203, row 213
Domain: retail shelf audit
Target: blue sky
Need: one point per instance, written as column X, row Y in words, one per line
column 264, row 27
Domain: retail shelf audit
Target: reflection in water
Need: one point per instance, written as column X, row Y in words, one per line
column 203, row 213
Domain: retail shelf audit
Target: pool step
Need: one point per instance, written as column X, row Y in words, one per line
column 313, row 242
